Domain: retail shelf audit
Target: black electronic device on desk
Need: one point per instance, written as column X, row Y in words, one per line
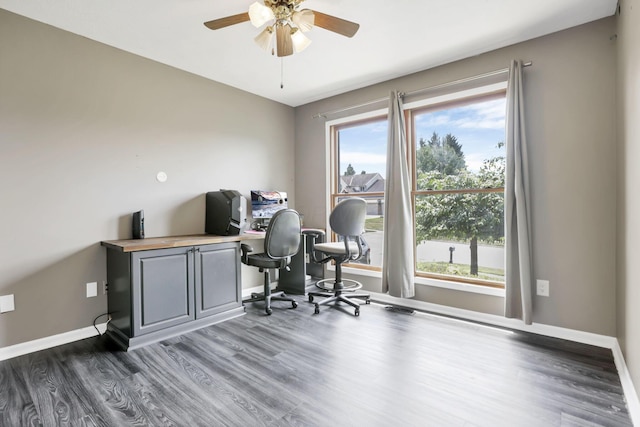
column 264, row 204
column 137, row 226
column 225, row 213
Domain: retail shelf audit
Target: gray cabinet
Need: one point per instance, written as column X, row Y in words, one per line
column 162, row 289
column 217, row 282
column 158, row 293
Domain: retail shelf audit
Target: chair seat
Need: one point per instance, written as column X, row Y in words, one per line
column 336, row 248
column 264, row 261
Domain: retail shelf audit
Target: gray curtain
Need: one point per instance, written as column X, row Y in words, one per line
column 397, row 256
column 518, row 301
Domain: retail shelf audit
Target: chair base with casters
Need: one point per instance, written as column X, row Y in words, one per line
column 267, row 296
column 339, row 292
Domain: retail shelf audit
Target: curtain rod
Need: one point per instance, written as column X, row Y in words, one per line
column 426, row 89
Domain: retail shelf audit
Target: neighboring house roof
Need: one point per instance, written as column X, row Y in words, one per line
column 361, row 183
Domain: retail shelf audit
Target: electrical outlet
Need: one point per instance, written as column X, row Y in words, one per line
column 542, row 288
column 105, row 287
column 7, row 303
column 92, row 289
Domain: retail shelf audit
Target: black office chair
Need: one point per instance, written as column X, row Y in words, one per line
column 347, row 221
column 281, row 242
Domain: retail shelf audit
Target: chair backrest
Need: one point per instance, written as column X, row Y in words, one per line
column 283, row 234
column 347, row 218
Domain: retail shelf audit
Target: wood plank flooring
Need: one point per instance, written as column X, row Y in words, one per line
column 295, row 368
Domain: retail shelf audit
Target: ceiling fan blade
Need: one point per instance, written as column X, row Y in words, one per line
column 337, row 25
column 283, row 40
column 216, row 24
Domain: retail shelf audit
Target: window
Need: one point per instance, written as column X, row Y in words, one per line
column 458, row 195
column 360, row 161
column 457, row 159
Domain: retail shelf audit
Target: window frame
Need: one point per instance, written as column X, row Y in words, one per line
column 333, row 127
column 496, row 91
column 451, row 99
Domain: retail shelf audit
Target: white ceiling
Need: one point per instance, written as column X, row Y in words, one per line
column 396, row 37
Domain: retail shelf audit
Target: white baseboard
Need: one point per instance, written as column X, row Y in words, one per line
column 51, row 341
column 633, row 403
column 246, row 292
column 500, row 321
column 21, row 349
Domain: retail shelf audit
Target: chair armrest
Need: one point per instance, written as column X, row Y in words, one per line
column 284, row 264
column 246, row 249
column 313, row 235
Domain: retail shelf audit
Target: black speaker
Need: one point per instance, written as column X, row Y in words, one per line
column 138, row 225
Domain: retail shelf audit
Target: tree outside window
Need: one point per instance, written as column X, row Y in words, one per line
column 459, row 191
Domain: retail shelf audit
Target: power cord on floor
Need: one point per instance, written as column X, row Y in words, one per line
column 96, row 319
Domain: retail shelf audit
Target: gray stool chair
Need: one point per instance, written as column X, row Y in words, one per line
column 347, row 221
column 281, row 242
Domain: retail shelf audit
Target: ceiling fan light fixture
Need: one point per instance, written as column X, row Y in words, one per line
column 285, row 25
column 304, row 19
column 264, row 38
column 259, row 14
column 299, row 40
column 284, row 43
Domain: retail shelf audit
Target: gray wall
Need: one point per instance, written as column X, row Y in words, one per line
column 628, row 297
column 570, row 109
column 84, row 128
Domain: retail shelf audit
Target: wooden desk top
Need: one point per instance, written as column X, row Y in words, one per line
column 133, row 245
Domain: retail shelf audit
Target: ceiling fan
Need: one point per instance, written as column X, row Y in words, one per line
column 287, row 21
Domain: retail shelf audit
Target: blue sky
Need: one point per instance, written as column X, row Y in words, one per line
column 479, row 127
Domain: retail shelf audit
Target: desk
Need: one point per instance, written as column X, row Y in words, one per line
column 165, row 286
column 134, row 245
column 294, row 280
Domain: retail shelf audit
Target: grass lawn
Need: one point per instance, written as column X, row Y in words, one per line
column 374, row 223
column 484, row 273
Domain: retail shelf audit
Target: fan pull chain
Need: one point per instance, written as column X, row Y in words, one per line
column 281, row 73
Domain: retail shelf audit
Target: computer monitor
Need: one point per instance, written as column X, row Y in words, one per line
column 264, row 204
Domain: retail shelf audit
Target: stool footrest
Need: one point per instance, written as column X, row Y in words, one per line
column 330, row 285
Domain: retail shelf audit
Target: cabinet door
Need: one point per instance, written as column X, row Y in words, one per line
column 218, row 286
column 162, row 289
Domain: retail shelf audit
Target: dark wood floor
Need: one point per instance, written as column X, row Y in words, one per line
column 295, row 368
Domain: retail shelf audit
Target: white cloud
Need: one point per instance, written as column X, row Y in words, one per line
column 486, row 115
column 369, row 162
column 474, row 161
column 480, row 123
column 360, row 158
column 380, row 127
column 432, row 120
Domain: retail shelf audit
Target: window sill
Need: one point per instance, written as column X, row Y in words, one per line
column 423, row 281
column 458, row 286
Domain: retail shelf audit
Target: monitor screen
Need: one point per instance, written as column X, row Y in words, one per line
column 264, row 204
